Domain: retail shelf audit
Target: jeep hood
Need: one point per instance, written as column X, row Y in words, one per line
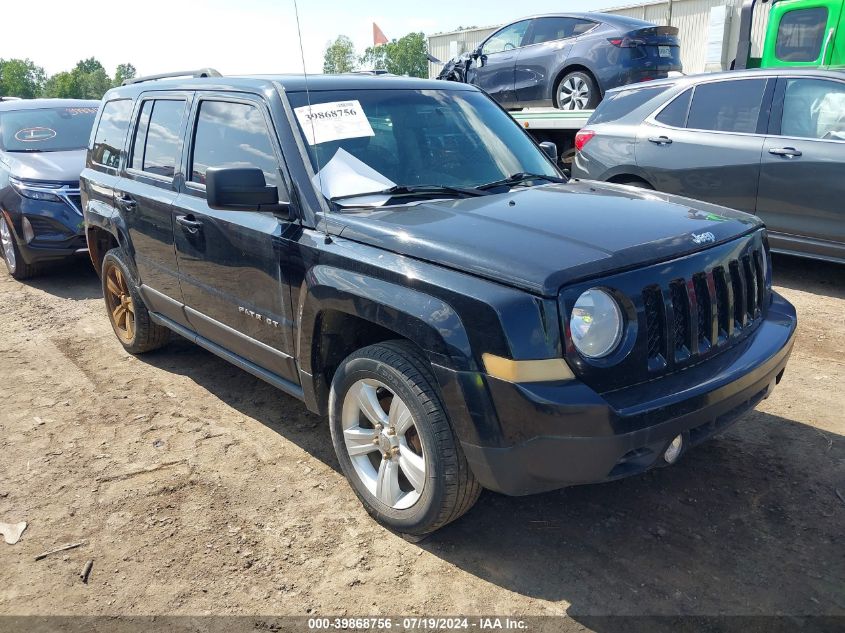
column 542, row 238
column 62, row 166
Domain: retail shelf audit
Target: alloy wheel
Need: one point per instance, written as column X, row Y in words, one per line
column 383, row 443
column 8, row 245
column 573, row 94
column 120, row 305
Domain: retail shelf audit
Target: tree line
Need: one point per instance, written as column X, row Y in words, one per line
column 405, row 56
column 88, row 80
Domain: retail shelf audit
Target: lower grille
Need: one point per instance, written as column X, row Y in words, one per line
column 706, row 309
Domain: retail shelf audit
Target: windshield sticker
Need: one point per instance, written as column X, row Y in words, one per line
column 35, row 134
column 335, row 121
column 345, row 175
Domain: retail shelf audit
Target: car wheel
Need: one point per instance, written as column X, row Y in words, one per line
column 128, row 315
column 15, row 264
column 577, row 91
column 394, row 441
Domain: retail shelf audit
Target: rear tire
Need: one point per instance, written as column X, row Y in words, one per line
column 127, row 312
column 576, row 91
column 415, row 478
column 11, row 254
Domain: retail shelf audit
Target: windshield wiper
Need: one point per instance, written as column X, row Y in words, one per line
column 519, row 178
column 423, row 191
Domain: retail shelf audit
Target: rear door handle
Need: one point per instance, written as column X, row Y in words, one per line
column 660, row 140
column 126, row 201
column 787, row 152
column 191, row 225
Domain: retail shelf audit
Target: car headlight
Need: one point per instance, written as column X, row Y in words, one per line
column 596, row 323
column 33, row 191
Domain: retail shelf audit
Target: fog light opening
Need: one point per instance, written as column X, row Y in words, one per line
column 28, row 232
column 673, row 451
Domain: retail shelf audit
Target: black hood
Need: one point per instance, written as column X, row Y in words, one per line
column 542, row 238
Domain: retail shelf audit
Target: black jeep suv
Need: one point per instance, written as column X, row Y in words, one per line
column 400, row 255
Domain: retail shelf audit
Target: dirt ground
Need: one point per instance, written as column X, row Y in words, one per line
column 199, row 489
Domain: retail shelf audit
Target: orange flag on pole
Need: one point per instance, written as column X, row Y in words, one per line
column 379, row 37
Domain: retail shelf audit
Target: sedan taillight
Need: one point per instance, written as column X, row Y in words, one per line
column 582, row 138
column 626, row 42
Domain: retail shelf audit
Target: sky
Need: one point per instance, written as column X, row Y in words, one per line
column 233, row 36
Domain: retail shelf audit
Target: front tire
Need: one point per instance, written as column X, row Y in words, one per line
column 577, row 91
column 15, row 264
column 127, row 312
column 394, row 442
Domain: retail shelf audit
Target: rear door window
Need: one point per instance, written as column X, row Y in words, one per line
column 619, row 104
column 230, row 134
column 801, row 35
column 727, row 106
column 551, row 29
column 157, row 137
column 111, row 133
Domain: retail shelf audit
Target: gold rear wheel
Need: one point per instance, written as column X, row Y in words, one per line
column 119, row 302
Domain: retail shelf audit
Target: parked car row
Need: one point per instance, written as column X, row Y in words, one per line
column 769, row 142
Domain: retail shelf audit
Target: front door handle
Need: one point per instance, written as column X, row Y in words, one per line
column 190, row 224
column 126, row 201
column 660, row 140
column 786, row 152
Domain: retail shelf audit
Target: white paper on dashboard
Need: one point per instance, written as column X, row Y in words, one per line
column 345, row 175
column 333, row 121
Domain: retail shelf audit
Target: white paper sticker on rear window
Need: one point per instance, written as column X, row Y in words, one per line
column 333, row 121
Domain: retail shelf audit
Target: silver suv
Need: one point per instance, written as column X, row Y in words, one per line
column 42, row 152
column 770, row 142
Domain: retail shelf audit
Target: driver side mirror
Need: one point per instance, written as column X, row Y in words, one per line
column 243, row 189
column 479, row 56
column 550, row 150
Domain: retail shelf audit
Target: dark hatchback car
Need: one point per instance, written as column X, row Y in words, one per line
column 42, row 152
column 400, row 255
column 769, row 142
column 568, row 60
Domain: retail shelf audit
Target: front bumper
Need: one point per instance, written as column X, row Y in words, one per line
column 58, row 227
column 548, row 436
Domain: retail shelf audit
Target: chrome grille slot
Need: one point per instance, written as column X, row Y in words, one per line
column 655, row 313
column 681, row 318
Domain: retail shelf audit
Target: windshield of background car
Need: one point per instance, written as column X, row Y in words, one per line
column 369, row 140
column 46, row 129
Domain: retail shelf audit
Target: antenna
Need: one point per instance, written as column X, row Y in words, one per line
column 328, row 238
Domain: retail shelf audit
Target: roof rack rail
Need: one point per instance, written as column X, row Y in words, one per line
column 202, row 72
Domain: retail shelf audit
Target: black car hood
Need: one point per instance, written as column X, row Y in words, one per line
column 544, row 237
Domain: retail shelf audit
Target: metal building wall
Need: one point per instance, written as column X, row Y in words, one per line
column 690, row 16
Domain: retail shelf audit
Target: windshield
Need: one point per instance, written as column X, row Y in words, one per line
column 46, row 129
column 365, row 141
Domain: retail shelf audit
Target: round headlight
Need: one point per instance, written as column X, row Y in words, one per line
column 596, row 323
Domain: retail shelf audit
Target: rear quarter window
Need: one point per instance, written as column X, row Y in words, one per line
column 619, row 104
column 107, row 149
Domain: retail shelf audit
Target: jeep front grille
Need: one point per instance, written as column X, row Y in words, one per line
column 736, row 291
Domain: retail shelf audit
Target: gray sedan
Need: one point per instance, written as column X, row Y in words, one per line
column 770, row 142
